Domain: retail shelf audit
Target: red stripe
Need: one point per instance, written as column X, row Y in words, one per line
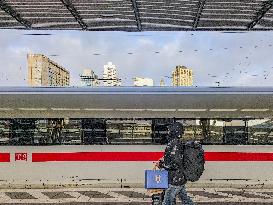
column 97, row 156
column 4, row 157
column 238, row 156
column 144, row 156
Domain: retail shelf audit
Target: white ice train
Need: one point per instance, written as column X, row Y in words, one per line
column 109, row 136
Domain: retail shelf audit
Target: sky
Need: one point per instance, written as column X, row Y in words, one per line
column 233, row 59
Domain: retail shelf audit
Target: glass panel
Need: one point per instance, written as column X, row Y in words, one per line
column 129, row 131
column 4, row 132
column 205, row 131
column 132, row 131
column 42, row 133
column 260, row 131
column 71, row 132
column 235, row 132
column 22, row 131
column 94, row 131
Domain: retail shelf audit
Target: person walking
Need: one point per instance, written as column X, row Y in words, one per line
column 173, row 163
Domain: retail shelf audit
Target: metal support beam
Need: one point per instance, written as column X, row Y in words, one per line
column 260, row 14
column 68, row 4
column 137, row 16
column 8, row 9
column 200, row 7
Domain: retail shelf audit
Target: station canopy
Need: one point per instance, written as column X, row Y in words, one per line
column 137, row 15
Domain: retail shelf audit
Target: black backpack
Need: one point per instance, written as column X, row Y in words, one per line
column 194, row 161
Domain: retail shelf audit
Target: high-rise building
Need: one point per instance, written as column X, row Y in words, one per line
column 110, row 75
column 143, row 81
column 89, row 78
column 44, row 72
column 182, row 76
column 162, row 82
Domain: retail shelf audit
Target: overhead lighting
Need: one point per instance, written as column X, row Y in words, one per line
column 254, row 110
column 222, row 110
column 66, row 109
column 5, row 109
column 32, row 109
column 161, row 110
column 192, row 110
column 98, row 109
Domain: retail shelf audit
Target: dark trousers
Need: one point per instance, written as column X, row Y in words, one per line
column 173, row 191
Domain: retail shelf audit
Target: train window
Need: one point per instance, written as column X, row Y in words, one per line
column 93, row 131
column 204, row 130
column 22, row 131
column 192, row 130
column 129, row 131
column 63, row 131
column 42, row 133
column 132, row 131
column 4, row 132
column 72, row 131
column 260, row 131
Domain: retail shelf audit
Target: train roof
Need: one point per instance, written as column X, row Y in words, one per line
column 134, row 89
column 136, row 102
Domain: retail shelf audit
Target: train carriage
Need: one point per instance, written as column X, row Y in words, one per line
column 109, row 136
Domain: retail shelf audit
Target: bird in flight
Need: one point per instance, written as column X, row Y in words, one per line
column 37, row 34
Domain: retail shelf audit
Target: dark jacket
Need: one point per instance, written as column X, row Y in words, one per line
column 173, row 162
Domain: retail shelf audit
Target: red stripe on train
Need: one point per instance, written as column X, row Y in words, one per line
column 144, row 156
column 4, row 157
column 97, row 156
column 238, row 156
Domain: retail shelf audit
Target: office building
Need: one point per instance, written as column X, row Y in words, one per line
column 143, row 81
column 110, row 75
column 44, row 72
column 182, row 76
column 162, row 82
column 89, row 78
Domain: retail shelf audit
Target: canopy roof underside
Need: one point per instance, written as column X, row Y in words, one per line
column 137, row 15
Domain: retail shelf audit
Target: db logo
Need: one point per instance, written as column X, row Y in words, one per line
column 20, row 156
column 158, row 178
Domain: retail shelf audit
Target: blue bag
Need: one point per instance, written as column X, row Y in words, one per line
column 156, row 179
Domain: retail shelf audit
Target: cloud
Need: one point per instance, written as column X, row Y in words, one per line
column 233, row 59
